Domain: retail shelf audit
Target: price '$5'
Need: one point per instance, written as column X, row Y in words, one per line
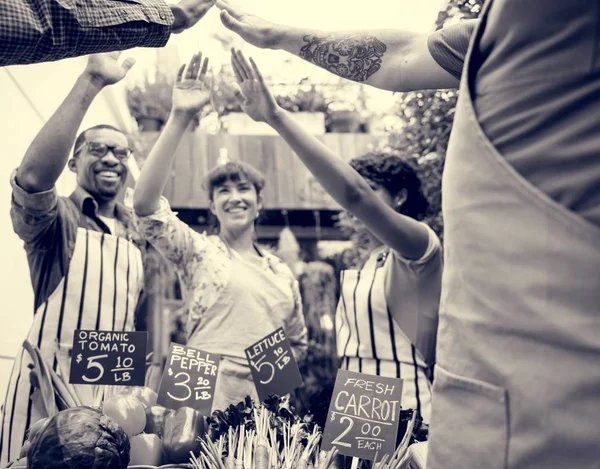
column 107, row 357
column 273, row 366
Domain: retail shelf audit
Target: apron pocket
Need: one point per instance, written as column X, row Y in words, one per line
column 469, row 427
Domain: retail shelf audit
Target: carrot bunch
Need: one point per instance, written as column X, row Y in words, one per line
column 259, row 445
column 401, row 457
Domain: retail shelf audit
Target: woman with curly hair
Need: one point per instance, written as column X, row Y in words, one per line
column 387, row 316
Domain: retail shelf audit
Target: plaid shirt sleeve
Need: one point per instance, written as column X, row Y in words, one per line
column 45, row 30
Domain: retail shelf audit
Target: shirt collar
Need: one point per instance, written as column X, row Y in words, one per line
column 88, row 205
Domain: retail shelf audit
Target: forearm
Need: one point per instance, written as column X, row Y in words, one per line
column 388, row 59
column 336, row 176
column 157, row 167
column 375, row 58
column 351, row 190
column 47, row 155
column 46, row 30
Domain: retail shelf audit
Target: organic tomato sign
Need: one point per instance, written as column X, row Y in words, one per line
column 108, row 357
column 363, row 415
column 189, row 379
column 274, row 368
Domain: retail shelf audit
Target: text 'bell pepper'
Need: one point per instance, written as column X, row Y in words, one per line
column 182, row 429
column 155, row 419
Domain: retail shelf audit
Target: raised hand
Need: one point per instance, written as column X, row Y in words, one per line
column 256, row 100
column 105, row 69
column 258, row 32
column 188, row 12
column 191, row 91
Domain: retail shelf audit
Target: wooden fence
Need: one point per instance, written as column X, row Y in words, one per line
column 288, row 186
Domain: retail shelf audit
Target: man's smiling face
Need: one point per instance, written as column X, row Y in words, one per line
column 102, row 175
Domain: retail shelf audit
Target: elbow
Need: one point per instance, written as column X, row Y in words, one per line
column 30, row 182
column 141, row 205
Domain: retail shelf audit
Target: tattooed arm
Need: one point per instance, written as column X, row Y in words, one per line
column 387, row 59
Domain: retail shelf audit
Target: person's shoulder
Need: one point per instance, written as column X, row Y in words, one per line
column 432, row 252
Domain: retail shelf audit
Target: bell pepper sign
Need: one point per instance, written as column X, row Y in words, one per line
column 363, row 415
column 108, row 357
column 189, row 379
column 273, row 366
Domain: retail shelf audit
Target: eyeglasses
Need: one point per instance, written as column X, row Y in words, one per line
column 99, row 150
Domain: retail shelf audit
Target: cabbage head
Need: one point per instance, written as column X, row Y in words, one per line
column 78, row 438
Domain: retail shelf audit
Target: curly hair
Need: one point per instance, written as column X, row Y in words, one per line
column 394, row 175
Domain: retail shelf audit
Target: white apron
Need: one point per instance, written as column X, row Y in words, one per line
column 255, row 302
column 370, row 341
column 517, row 381
column 99, row 291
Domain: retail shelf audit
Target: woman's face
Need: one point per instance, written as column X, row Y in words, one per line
column 236, row 205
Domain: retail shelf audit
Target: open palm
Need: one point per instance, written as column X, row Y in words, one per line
column 106, row 67
column 257, row 31
column 256, row 101
column 191, row 91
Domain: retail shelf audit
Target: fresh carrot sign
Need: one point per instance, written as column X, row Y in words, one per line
column 363, row 416
column 273, row 366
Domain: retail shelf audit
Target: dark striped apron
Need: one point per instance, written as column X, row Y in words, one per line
column 370, row 341
column 100, row 291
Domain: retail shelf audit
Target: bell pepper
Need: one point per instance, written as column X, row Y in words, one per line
column 146, row 449
column 143, row 394
column 155, row 419
column 127, row 411
column 182, row 429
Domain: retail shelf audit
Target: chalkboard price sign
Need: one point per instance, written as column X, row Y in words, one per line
column 273, row 366
column 363, row 415
column 108, row 357
column 189, row 379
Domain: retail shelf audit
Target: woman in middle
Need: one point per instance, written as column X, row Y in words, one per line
column 236, row 293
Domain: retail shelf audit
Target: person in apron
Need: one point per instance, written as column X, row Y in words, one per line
column 86, row 269
column 517, row 379
column 517, row 383
column 236, row 293
column 386, row 318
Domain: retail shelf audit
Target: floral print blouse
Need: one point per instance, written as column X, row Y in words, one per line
column 204, row 262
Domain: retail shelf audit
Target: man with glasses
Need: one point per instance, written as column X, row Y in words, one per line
column 85, row 261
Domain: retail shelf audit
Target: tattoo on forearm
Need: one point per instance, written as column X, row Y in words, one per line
column 356, row 57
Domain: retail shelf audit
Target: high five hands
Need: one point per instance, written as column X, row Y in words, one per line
column 188, row 12
column 105, row 69
column 256, row 99
column 191, row 91
column 257, row 31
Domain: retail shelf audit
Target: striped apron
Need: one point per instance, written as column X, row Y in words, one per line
column 99, row 291
column 370, row 341
column 517, row 380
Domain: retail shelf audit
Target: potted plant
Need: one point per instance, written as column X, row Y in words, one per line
column 343, row 117
column 150, row 102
